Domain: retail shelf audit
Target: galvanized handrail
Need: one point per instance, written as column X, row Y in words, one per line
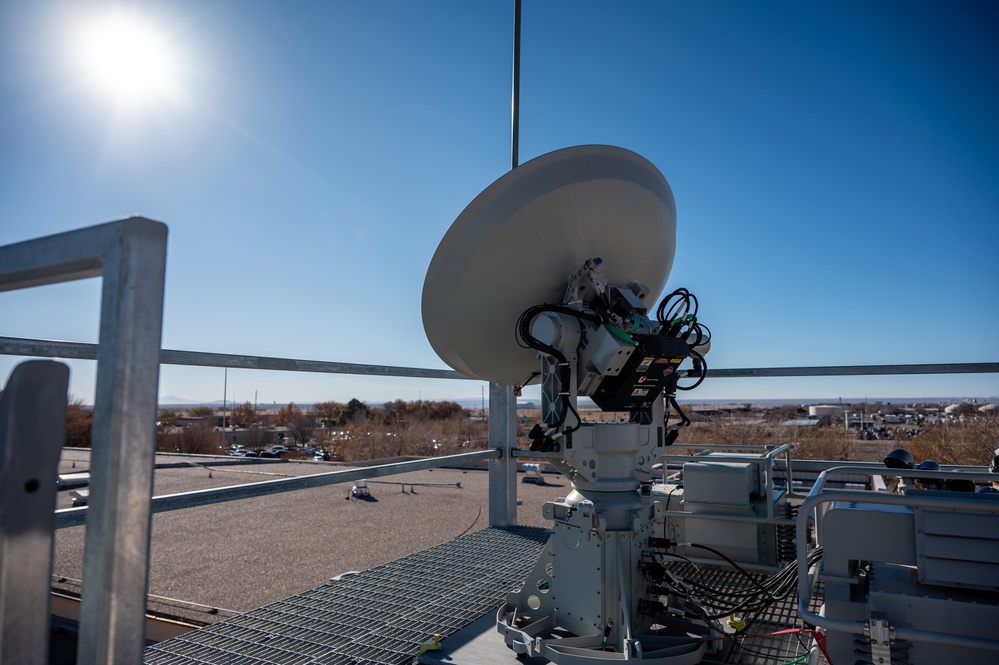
column 69, row 517
column 130, row 255
column 47, row 348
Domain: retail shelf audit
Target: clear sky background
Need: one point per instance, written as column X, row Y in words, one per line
column 834, row 166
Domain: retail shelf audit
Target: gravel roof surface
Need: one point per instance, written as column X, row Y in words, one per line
column 240, row 555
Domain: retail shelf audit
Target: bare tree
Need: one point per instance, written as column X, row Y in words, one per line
column 79, row 423
column 329, row 414
column 244, row 415
column 199, row 438
column 300, row 426
column 257, row 437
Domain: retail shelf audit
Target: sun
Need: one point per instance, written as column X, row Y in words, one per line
column 126, row 58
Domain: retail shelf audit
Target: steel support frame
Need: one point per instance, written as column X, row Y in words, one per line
column 130, row 255
column 503, row 469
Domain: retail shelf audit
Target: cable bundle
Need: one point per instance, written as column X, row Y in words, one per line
column 711, row 603
column 677, row 316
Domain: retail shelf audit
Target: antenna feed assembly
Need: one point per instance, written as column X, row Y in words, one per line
column 600, row 343
column 568, row 252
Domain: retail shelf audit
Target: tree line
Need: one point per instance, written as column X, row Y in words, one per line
column 346, row 430
column 356, row 431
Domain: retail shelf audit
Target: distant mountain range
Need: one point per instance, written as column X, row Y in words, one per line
column 173, row 400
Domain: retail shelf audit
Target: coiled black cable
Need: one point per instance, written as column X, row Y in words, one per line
column 702, row 365
column 786, row 535
column 675, row 307
column 677, row 316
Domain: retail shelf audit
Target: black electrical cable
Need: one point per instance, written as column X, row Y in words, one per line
column 675, row 306
column 669, row 497
column 523, row 329
column 579, row 421
column 703, row 334
column 684, row 420
column 533, row 374
column 525, row 320
column 718, row 600
column 725, row 598
column 677, row 316
column 523, row 334
column 725, row 602
column 698, row 360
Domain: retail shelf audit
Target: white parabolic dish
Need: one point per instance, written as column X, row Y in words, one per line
column 516, row 243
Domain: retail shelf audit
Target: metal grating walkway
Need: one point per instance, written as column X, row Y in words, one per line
column 378, row 616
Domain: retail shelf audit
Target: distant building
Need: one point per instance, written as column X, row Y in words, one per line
column 801, row 422
column 826, row 410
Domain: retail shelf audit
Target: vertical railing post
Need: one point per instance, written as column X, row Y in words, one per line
column 116, row 558
column 503, row 470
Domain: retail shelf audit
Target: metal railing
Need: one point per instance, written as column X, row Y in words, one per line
column 951, row 501
column 69, row 517
column 46, row 348
column 130, row 255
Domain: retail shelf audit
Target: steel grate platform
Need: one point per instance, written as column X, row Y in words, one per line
column 379, row 616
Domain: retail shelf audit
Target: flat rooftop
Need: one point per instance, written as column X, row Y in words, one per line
column 212, row 562
column 258, row 572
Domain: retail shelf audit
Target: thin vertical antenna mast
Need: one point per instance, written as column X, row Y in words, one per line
column 515, row 111
column 225, row 390
column 503, row 399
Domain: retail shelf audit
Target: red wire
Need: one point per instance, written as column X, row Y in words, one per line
column 819, row 638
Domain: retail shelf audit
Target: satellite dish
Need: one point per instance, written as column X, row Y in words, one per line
column 517, row 242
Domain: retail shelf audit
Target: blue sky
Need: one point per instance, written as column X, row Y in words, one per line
column 834, row 166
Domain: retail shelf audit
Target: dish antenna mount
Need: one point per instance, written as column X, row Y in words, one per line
column 547, row 276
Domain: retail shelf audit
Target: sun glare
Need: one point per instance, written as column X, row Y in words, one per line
column 126, row 59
